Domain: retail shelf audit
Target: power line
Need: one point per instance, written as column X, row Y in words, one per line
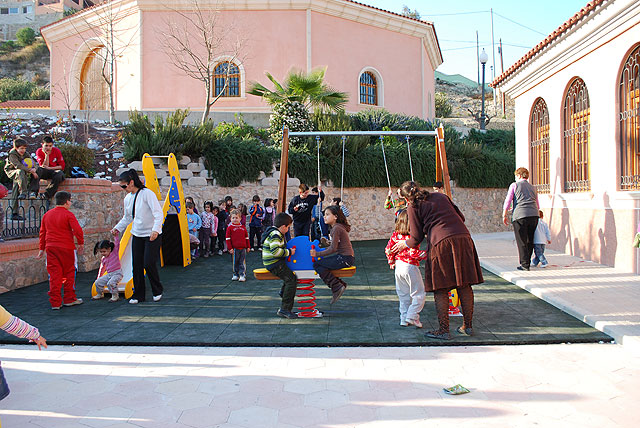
column 458, row 13
column 517, row 23
column 466, row 47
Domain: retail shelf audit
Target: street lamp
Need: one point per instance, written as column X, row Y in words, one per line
column 483, row 60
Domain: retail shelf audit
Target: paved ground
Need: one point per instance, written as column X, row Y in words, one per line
column 601, row 296
column 567, row 386
column 202, row 306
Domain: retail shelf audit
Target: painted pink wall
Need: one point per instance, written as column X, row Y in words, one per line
column 346, row 47
column 270, row 47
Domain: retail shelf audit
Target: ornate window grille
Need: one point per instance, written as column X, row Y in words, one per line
column 539, row 146
column 368, row 89
column 629, row 120
column 576, row 138
column 93, row 86
column 226, row 80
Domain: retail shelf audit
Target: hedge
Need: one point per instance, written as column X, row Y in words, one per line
column 233, row 154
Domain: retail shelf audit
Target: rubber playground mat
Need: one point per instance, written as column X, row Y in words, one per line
column 202, row 306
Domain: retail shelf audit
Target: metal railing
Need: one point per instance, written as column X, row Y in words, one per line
column 26, row 221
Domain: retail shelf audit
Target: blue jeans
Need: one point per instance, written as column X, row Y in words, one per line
column 4, row 388
column 325, row 265
column 538, row 250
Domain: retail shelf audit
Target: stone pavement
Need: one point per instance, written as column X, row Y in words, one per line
column 601, row 296
column 567, row 386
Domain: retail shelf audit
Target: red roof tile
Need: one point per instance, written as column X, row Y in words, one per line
column 588, row 9
column 25, row 104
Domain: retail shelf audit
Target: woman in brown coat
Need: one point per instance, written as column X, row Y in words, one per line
column 452, row 262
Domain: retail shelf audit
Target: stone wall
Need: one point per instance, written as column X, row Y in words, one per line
column 98, row 206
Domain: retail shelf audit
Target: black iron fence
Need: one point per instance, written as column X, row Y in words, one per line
column 24, row 222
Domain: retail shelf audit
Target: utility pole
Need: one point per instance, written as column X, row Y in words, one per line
column 493, row 58
column 478, row 56
column 504, row 107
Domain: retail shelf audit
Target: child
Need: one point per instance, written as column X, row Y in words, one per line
column 228, row 204
column 269, row 213
column 190, row 199
column 256, row 213
column 542, row 236
column 194, row 222
column 222, row 226
column 57, row 229
column 338, row 202
column 209, row 227
column 300, row 208
column 25, row 179
column 110, row 263
column 399, row 204
column 243, row 211
column 16, row 327
column 237, row 243
column 274, row 256
column 409, row 284
column 438, row 187
column 340, row 249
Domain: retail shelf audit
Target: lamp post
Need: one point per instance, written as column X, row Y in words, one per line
column 483, row 60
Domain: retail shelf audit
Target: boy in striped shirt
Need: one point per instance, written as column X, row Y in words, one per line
column 274, row 257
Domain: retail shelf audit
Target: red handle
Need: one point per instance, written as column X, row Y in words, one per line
column 289, row 258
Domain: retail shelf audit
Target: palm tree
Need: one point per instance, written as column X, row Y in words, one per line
column 308, row 89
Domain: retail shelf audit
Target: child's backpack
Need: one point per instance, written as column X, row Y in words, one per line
column 266, row 234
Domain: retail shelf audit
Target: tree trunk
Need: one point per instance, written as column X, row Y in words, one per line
column 207, row 108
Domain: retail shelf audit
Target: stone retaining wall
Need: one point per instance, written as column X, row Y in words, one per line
column 98, row 206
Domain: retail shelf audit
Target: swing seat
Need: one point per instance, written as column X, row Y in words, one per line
column 264, row 275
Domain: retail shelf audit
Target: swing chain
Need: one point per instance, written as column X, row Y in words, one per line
column 409, row 150
column 344, row 140
column 384, row 157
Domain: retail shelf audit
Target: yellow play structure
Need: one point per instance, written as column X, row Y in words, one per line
column 174, row 228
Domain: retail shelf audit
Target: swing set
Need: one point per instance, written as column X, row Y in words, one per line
column 301, row 263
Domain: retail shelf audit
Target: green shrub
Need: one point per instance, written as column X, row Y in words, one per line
column 8, row 46
column 20, row 89
column 26, row 36
column 77, row 155
column 231, row 160
column 496, row 139
column 294, row 116
column 443, row 108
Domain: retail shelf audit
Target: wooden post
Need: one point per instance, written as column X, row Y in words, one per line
column 284, row 171
column 442, row 155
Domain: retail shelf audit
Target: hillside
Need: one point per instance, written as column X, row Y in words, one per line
column 31, row 63
column 464, row 94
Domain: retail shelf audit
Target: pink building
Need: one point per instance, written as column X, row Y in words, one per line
column 578, row 130
column 380, row 58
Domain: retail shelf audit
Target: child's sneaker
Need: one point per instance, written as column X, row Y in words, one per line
column 544, row 265
column 252, row 250
column 219, row 252
column 242, row 278
column 78, row 301
column 114, row 297
column 235, row 278
column 98, row 296
column 403, row 323
column 55, row 308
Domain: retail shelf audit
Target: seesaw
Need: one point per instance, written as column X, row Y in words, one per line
column 175, row 199
column 301, row 263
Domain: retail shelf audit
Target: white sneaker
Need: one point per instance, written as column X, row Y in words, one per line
column 544, row 265
column 133, row 301
column 235, row 278
column 417, row 323
column 403, row 323
column 97, row 297
column 114, row 298
column 157, row 298
column 242, row 278
column 219, row 252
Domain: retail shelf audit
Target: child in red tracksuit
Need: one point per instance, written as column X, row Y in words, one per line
column 409, row 284
column 237, row 244
column 57, row 229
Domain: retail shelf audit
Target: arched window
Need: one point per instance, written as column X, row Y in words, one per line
column 576, row 138
column 628, row 116
column 539, row 146
column 226, row 80
column 368, row 89
column 93, row 87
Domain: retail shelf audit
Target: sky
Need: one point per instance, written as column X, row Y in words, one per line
column 520, row 24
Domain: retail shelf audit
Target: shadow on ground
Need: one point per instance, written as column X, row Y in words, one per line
column 202, row 306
